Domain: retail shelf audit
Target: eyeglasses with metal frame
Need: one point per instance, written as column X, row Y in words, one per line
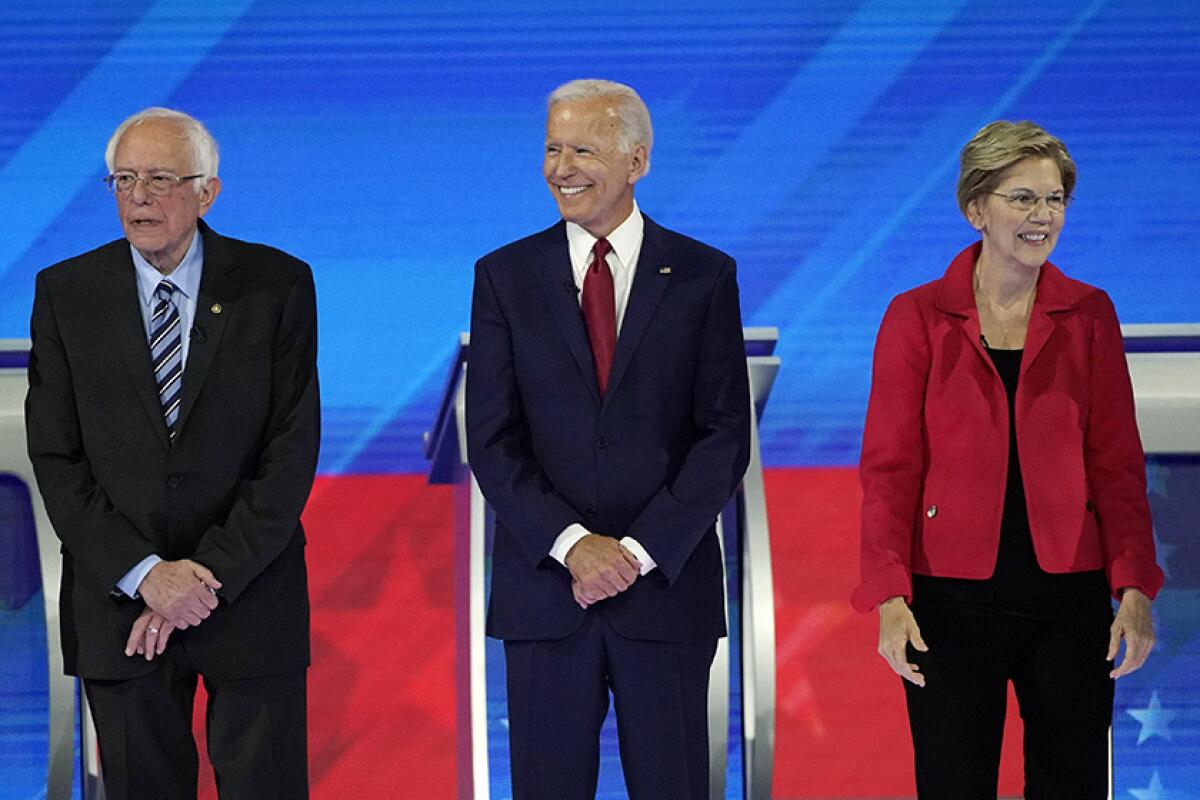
column 1025, row 200
column 157, row 183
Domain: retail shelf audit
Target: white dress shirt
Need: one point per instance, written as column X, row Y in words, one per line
column 626, row 241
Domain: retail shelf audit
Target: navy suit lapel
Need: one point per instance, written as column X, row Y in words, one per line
column 128, row 331
column 649, row 282
column 220, row 284
column 558, row 284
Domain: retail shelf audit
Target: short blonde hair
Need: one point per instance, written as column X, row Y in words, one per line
column 1000, row 144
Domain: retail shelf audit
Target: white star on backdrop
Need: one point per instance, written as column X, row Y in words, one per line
column 1155, row 719
column 1152, row 792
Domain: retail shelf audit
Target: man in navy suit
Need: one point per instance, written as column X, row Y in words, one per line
column 608, row 423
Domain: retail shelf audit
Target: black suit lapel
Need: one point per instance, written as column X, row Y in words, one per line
column 558, row 284
column 220, row 284
column 649, row 282
column 128, row 332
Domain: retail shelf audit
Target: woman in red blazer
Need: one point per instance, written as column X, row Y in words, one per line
column 1004, row 492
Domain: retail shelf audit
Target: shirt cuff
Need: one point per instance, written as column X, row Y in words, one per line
column 639, row 552
column 565, row 541
column 133, row 579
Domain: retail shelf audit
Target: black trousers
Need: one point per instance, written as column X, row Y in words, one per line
column 558, row 698
column 1060, row 677
column 256, row 730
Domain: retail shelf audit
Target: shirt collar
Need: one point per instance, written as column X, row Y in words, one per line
column 626, row 239
column 186, row 276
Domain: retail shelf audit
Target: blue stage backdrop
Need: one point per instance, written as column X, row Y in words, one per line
column 391, row 144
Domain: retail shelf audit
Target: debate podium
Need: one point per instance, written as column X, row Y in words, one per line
column 741, row 710
column 31, row 569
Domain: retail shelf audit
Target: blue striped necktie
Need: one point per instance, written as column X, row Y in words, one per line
column 166, row 352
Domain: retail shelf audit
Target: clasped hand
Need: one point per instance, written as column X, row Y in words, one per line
column 178, row 595
column 600, row 568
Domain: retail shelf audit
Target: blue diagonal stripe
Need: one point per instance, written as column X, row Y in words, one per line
column 67, row 151
column 814, row 112
column 782, row 305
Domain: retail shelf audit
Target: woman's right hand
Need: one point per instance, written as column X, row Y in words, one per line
column 898, row 627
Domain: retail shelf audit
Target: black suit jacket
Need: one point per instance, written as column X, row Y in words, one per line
column 227, row 493
column 656, row 459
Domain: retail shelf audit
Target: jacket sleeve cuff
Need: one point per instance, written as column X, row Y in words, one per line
column 891, row 582
column 1145, row 577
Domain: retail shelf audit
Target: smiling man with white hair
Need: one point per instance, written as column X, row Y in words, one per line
column 173, row 424
column 608, row 423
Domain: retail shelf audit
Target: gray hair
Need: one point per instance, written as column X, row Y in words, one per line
column 205, row 156
column 633, row 118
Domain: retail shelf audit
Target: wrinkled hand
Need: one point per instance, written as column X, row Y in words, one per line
column 149, row 634
column 577, row 593
column 183, row 591
column 898, row 627
column 1134, row 624
column 600, row 567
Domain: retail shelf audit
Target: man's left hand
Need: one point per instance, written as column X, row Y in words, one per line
column 1134, row 624
column 149, row 634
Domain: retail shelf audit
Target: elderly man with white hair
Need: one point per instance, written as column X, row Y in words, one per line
column 173, row 424
column 608, row 423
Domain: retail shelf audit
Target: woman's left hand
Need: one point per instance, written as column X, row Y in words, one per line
column 1133, row 624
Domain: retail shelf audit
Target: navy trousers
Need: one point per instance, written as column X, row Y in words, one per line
column 558, row 698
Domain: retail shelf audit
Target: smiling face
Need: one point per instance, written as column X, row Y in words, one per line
column 1013, row 238
column 160, row 227
column 590, row 178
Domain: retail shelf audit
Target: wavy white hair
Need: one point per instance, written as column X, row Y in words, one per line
column 205, row 155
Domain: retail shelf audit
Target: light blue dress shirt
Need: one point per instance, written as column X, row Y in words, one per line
column 186, row 278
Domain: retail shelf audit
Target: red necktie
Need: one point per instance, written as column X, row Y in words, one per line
column 600, row 312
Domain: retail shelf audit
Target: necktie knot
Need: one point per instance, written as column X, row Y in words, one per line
column 164, row 290
column 600, row 251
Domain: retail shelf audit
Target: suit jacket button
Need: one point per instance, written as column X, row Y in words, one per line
column 1089, row 506
column 931, row 512
column 589, row 512
column 602, row 442
column 173, row 482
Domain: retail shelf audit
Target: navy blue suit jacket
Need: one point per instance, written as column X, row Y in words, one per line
column 656, row 458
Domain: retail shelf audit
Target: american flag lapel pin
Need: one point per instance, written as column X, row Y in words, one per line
column 664, row 270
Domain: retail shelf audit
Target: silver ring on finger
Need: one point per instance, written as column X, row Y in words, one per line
column 153, row 630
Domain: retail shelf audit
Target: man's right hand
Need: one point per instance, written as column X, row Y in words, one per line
column 601, row 567
column 183, row 591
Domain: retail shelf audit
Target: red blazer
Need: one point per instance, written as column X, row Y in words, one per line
column 936, row 441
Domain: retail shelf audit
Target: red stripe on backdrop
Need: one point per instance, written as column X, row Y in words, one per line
column 841, row 728
column 381, row 688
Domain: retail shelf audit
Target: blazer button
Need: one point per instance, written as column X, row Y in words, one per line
column 174, row 482
column 931, row 512
column 1089, row 506
column 602, row 442
column 589, row 512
